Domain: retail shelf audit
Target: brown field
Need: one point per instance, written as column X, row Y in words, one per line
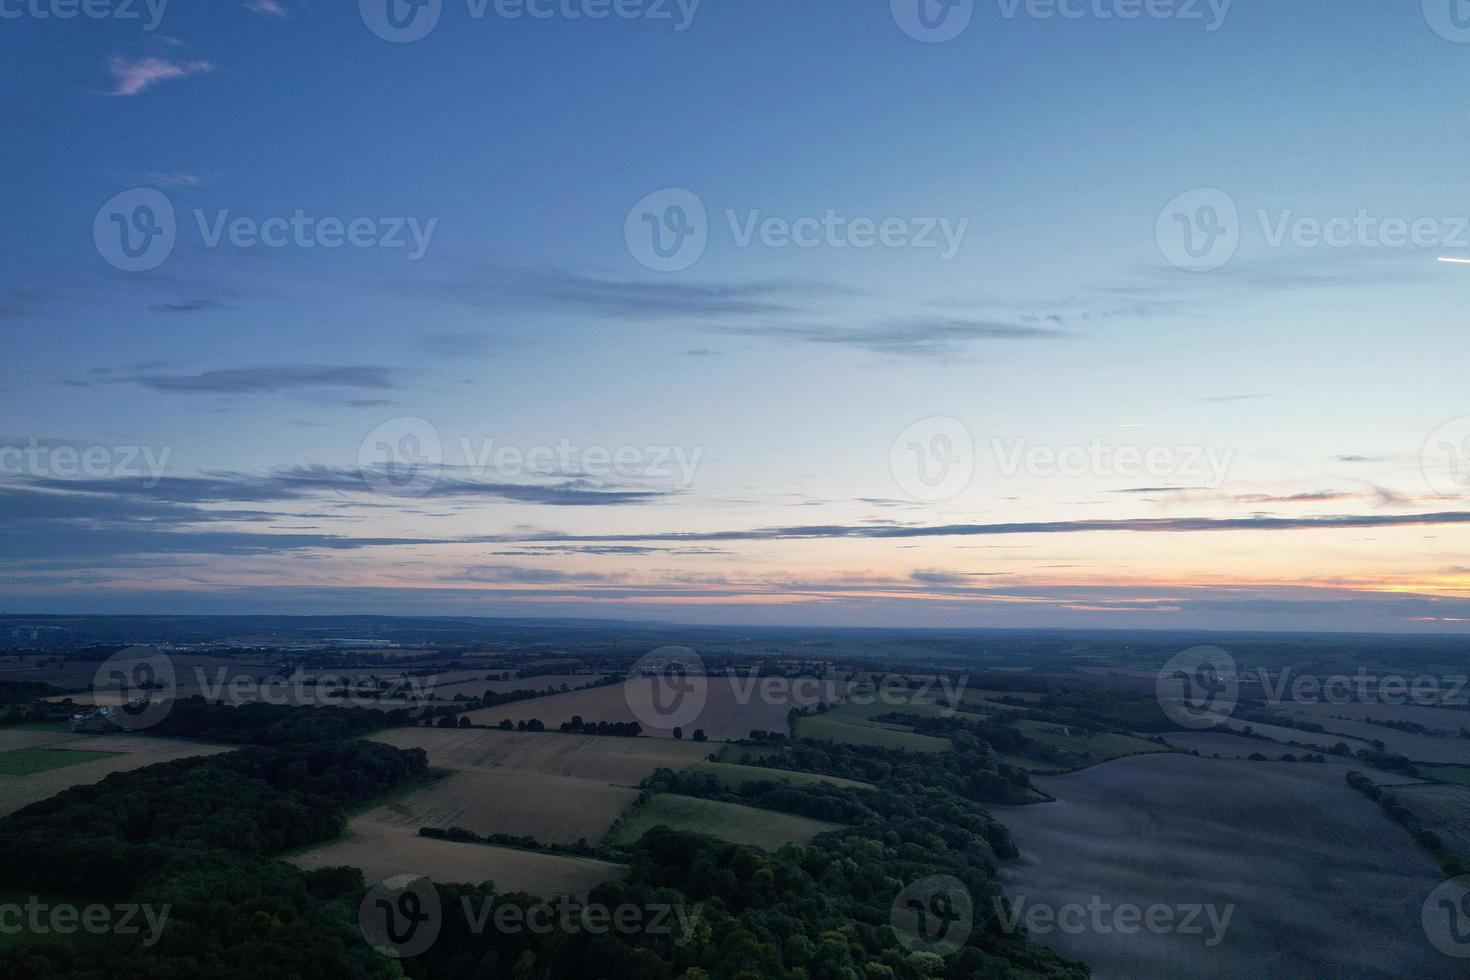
column 732, row 709
column 1322, row 882
column 383, row 851
column 136, row 751
column 550, row 809
column 620, row 761
column 555, row 788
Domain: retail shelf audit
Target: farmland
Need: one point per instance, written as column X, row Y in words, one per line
column 729, row 821
column 733, row 707
column 853, row 722
column 100, row 756
column 732, row 774
column 1179, row 830
column 382, row 851
column 1442, row 808
column 28, row 762
column 556, row 788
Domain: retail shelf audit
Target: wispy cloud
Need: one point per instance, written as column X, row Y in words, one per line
column 267, row 379
column 267, row 8
column 918, row 336
column 176, row 179
column 187, row 306
column 135, row 77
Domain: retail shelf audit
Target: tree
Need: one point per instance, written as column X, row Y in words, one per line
column 464, row 722
column 700, row 736
column 507, row 725
column 678, row 732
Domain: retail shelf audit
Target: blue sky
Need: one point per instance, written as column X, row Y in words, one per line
column 800, row 386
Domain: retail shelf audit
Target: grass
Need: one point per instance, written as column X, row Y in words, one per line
column 1447, row 774
column 852, row 722
column 1095, row 748
column 28, row 762
column 732, row 775
column 728, row 821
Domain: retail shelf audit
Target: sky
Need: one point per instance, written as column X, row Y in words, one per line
column 1089, row 313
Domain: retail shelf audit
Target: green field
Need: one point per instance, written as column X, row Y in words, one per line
column 28, row 762
column 732, row 775
column 728, row 821
column 853, row 723
column 1447, row 774
column 1091, row 749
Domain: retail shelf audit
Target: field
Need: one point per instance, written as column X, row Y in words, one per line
column 728, row 821
column 732, row 775
column 555, row 788
column 28, row 762
column 853, row 723
column 103, row 755
column 1442, row 809
column 732, row 708
column 1447, row 774
column 383, row 851
column 1089, row 749
column 1282, row 842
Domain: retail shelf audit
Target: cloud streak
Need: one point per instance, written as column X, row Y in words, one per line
column 136, row 77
